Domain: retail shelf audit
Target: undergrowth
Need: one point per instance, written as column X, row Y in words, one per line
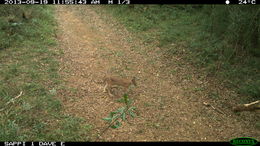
column 29, row 72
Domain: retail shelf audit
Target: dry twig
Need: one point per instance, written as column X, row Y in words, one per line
column 12, row 100
column 218, row 110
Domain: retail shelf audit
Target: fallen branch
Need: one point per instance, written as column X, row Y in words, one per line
column 12, row 100
column 253, row 106
column 59, row 69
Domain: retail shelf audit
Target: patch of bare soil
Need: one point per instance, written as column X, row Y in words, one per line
column 171, row 107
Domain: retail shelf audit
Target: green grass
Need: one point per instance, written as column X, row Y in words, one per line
column 183, row 31
column 28, row 64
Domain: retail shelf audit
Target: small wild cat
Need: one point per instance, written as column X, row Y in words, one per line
column 112, row 81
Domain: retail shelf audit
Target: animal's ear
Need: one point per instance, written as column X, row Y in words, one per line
column 134, row 81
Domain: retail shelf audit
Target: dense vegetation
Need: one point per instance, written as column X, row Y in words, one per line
column 223, row 40
column 29, row 71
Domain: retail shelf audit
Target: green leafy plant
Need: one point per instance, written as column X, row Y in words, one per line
column 121, row 113
column 114, row 119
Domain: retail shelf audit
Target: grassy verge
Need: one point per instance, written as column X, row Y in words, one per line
column 28, row 66
column 184, row 31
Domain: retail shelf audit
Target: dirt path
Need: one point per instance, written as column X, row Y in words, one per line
column 94, row 46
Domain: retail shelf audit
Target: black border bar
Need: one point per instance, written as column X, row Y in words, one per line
column 116, row 2
column 112, row 143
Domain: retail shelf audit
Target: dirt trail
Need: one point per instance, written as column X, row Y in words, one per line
column 94, row 46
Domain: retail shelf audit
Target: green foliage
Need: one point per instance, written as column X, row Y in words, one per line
column 235, row 26
column 233, row 45
column 70, row 129
column 121, row 113
column 252, row 88
column 9, row 130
